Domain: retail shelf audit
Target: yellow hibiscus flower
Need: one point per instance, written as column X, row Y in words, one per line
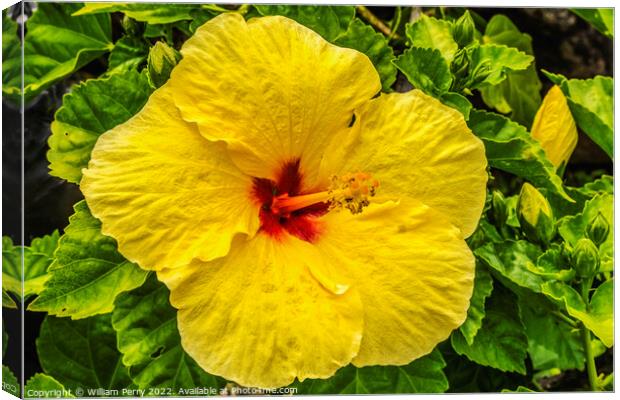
column 247, row 183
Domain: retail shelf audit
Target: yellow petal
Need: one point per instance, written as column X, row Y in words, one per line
column 166, row 194
column 417, row 147
column 413, row 271
column 259, row 318
column 554, row 127
column 271, row 88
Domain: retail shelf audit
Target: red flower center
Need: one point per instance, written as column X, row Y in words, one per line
column 275, row 221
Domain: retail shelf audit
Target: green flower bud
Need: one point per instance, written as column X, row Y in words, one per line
column 585, row 259
column 132, row 27
column 460, row 64
column 535, row 215
column 480, row 74
column 463, row 30
column 498, row 203
column 162, row 59
column 598, row 229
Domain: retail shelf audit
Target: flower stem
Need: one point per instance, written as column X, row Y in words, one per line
column 565, row 319
column 376, row 22
column 395, row 22
column 586, row 285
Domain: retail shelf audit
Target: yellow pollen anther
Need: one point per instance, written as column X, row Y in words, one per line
column 350, row 191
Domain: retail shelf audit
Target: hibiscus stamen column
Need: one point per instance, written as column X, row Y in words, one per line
column 350, row 191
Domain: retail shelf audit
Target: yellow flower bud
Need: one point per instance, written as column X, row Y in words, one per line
column 535, row 215
column 555, row 128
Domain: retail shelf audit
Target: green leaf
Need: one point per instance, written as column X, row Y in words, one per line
column 493, row 96
column 519, row 93
column 35, row 268
column 37, row 258
column 466, row 376
column 555, row 78
column 489, row 63
column 81, row 354
column 156, row 31
column 46, row 244
column 151, row 13
column 598, row 316
column 501, row 30
column 552, row 342
column 90, row 109
column 424, row 375
column 7, row 301
column 501, row 342
column 573, row 228
column 600, row 18
column 512, row 260
column 489, row 234
column 365, row 39
column 483, row 286
column 431, row 33
column 11, row 267
column 56, row 45
column 11, row 57
column 604, row 184
column 331, row 22
column 45, row 386
column 9, row 382
column 553, row 264
column 458, row 102
column 200, row 16
column 88, row 271
column 425, row 69
column 520, row 389
column 146, row 326
column 511, row 148
column 128, row 53
column 591, row 103
column 562, row 207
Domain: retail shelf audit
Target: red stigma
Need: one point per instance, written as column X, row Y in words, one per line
column 301, row 223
